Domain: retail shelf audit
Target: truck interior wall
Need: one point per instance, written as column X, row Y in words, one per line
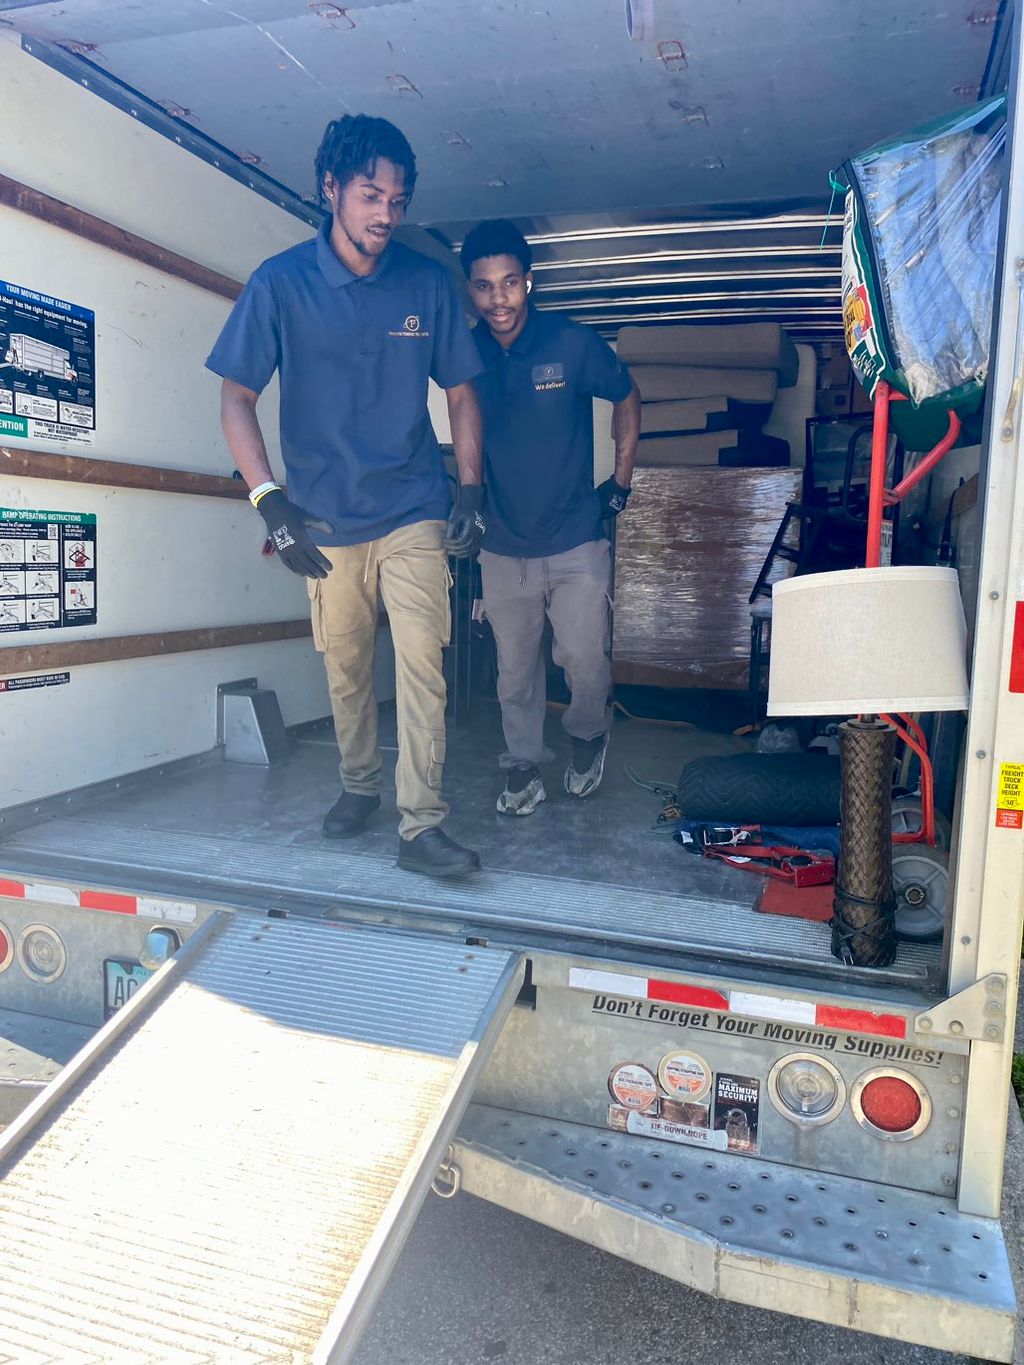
column 165, row 561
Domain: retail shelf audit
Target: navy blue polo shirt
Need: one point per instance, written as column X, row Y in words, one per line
column 354, row 355
column 538, row 413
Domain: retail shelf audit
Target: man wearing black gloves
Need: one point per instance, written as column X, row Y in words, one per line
column 544, row 552
column 356, row 324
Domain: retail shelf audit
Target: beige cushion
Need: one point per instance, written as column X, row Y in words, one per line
column 741, row 346
column 685, row 450
column 688, row 415
column 662, row 383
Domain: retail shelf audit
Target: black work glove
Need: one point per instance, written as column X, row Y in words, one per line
column 288, row 525
column 613, row 498
column 466, row 525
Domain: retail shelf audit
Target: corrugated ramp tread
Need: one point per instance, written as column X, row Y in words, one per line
column 225, row 1174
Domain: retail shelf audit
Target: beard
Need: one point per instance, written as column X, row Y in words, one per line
column 365, row 248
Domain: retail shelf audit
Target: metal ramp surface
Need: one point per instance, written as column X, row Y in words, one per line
column 227, row 1171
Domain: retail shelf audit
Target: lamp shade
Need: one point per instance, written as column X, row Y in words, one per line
column 864, row 641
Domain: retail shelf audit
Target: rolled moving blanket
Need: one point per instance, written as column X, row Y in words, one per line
column 761, row 789
column 745, row 346
column 737, row 449
column 664, row 383
column 701, row 414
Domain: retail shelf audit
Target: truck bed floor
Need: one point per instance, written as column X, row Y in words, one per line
column 243, row 835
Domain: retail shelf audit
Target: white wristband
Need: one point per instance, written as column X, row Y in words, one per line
column 256, row 493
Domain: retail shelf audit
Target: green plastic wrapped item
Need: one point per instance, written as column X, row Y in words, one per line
column 919, row 258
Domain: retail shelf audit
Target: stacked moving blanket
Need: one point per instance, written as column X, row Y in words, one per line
column 707, row 392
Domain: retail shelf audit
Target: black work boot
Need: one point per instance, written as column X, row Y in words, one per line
column 436, row 855
column 349, row 814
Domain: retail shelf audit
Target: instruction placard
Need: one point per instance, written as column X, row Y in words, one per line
column 47, row 367
column 1010, row 798
column 47, row 569
column 34, row 681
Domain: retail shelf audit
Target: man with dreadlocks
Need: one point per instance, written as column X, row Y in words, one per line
column 355, row 324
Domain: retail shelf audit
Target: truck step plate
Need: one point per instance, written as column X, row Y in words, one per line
column 232, row 1176
column 843, row 1251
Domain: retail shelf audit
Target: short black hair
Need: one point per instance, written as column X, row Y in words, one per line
column 353, row 144
column 496, row 237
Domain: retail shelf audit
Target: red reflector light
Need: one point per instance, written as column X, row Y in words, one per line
column 6, row 947
column 893, row 1106
column 890, row 1104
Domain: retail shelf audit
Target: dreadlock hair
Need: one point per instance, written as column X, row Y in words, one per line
column 353, row 144
column 496, row 237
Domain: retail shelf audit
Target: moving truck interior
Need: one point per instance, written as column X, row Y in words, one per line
column 602, row 1029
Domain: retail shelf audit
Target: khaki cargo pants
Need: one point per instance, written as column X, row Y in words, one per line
column 411, row 571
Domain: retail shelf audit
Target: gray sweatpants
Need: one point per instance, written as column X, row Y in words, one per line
column 572, row 590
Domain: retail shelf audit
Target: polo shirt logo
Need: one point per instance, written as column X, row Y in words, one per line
column 411, row 327
column 548, row 377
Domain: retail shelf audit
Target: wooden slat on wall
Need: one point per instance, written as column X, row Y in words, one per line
column 37, row 657
column 37, row 464
column 15, row 195
column 80, row 469
column 40, row 656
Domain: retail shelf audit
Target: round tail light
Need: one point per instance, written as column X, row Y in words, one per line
column 806, row 1089
column 6, row 948
column 41, row 953
column 891, row 1104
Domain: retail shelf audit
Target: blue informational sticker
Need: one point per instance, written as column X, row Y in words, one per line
column 47, row 367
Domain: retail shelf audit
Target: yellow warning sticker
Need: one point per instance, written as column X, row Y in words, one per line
column 1011, row 786
column 1010, row 804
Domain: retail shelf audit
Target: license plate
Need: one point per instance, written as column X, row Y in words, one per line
column 120, row 982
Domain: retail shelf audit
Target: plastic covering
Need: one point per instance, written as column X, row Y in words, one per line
column 919, row 256
column 687, row 554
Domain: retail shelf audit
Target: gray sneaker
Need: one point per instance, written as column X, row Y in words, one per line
column 586, row 767
column 524, row 791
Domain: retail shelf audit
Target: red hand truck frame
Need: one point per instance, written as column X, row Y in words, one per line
column 880, row 497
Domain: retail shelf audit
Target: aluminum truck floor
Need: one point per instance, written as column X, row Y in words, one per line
column 233, row 834
column 227, row 1171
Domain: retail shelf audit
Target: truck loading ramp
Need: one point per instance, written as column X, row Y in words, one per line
column 227, row 1171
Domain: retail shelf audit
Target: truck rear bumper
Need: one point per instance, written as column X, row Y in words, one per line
column 848, row 1252
column 33, row 1049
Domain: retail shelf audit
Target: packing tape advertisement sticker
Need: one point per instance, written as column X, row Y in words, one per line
column 633, row 1086
column 1010, row 796
column 684, row 1075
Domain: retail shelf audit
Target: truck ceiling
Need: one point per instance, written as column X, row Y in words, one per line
column 551, row 114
